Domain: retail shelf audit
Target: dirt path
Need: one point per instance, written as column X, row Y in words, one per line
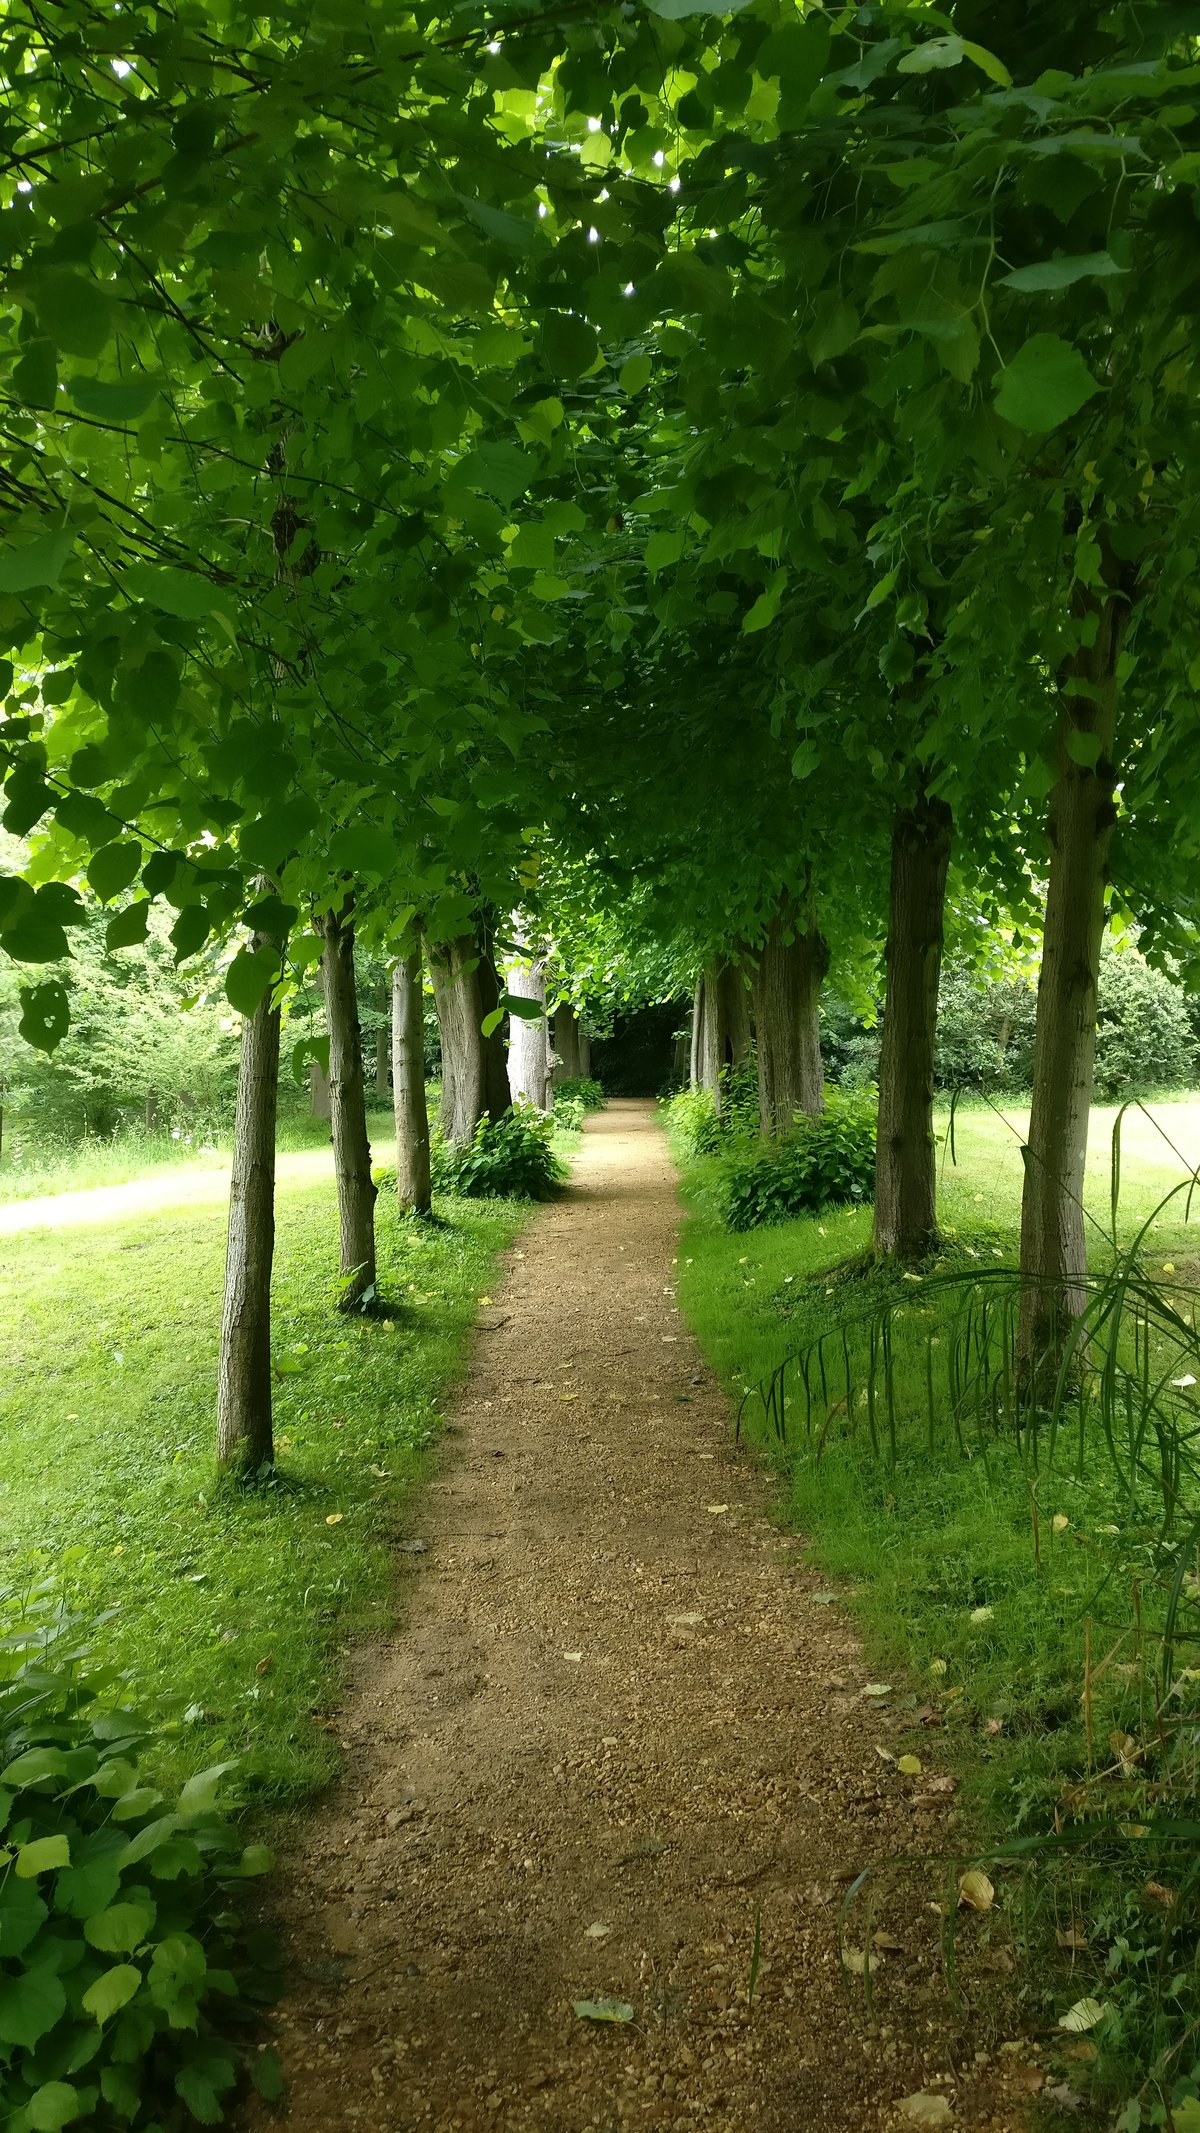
column 616, row 1729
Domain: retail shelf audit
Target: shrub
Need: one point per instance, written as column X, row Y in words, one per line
column 583, row 1088
column 510, row 1159
column 569, row 1112
column 124, row 1969
column 694, row 1118
column 824, row 1162
column 1144, row 1037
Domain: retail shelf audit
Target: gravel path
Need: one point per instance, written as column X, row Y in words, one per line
column 618, row 1733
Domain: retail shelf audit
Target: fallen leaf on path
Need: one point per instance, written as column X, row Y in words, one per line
column 575, row 1656
column 887, row 1943
column 877, row 1688
column 1060, row 1522
column 1158, row 1894
column 264, row 1665
column 1064, row 2096
column 856, row 1962
column 602, row 2010
column 1083, row 2015
column 975, row 1890
column 911, row 1765
column 597, row 1931
column 924, row 2109
column 1072, row 1936
column 983, row 1614
column 412, row 1547
column 684, row 1621
column 718, row 1508
column 334, row 1518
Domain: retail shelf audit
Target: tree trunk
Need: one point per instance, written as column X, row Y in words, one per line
column 724, row 1035
column 529, row 1042
column 1081, row 819
column 383, row 1044
column 408, row 1087
column 566, row 1042
column 474, row 1069
column 318, row 1090
column 585, row 1054
column 697, row 1034
column 348, row 1109
column 906, row 1157
column 245, row 1442
column 788, row 977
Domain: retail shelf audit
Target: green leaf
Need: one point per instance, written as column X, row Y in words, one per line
column 675, row 10
column 112, row 1990
column 1062, row 273
column 935, row 53
column 524, row 1010
column 22, row 1911
column 664, row 548
column 35, row 1766
column 1083, row 748
column 491, row 1023
column 174, row 592
column 1046, row 383
column 120, row 1929
column 766, row 607
column 27, row 797
column 114, row 867
column 39, row 563
column 636, row 372
column 988, row 63
column 120, row 2087
column 30, row 2004
column 363, row 850
column 129, row 926
column 125, row 400
column 55, row 2104
column 201, row 2083
column 309, row 1048
column 200, row 1794
column 250, row 975
column 75, row 310
column 256, row 1859
column 42, row 1856
column 267, row 2075
column 89, row 1888
column 569, row 345
column 602, row 2010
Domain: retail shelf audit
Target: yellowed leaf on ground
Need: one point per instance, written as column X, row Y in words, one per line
column 911, row 1765
column 925, row 2109
column 334, row 1518
column 718, row 1509
column 1083, row 2015
column 975, row 1890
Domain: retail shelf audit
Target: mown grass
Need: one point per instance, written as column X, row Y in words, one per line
column 241, row 1605
column 979, row 1581
column 29, row 1168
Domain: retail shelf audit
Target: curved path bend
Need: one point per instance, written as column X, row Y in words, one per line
column 616, row 1734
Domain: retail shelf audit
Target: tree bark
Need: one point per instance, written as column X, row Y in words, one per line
column 529, row 1042
column 697, row 1060
column 1081, row 820
column 245, row 1439
column 348, row 1109
column 788, row 977
column 413, row 1188
column 566, row 1042
column 474, row 1069
column 318, row 1090
column 724, row 1034
column 585, row 1054
column 383, row 1044
column 906, row 1158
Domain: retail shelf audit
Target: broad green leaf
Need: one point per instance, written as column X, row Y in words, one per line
column 30, row 2004
column 674, row 10
column 267, row 2075
column 363, row 850
column 187, row 596
column 201, row 2083
column 988, row 63
column 75, row 310
column 35, row 1766
column 42, row 1856
column 636, row 372
column 602, row 2010
column 525, row 1010
column 22, row 1912
column 89, row 1888
column 129, row 926
column 120, row 2086
column 664, row 548
column 122, row 400
column 112, row 1990
column 1046, row 383
column 201, row 1792
column 120, row 1929
column 1083, row 747
column 55, row 2104
column 250, row 976
column 491, row 1023
column 256, row 1859
column 114, row 867
column 38, row 563
column 766, row 607
column 569, row 344
column 1062, row 273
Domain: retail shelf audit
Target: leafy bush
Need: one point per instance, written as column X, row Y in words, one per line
column 510, row 1159
column 703, row 1130
column 1144, row 1037
column 824, row 1162
column 569, row 1112
column 581, row 1088
column 124, row 1968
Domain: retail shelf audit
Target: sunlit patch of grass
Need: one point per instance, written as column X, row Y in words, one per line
column 241, row 1603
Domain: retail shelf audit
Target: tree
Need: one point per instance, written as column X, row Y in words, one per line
column 348, row 1110
column 245, row 1433
column 413, row 1182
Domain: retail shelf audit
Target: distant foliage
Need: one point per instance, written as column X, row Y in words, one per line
column 125, row 1971
column 1145, row 1036
column 825, row 1162
column 512, row 1159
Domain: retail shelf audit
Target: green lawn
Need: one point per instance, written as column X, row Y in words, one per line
column 239, row 1604
column 977, row 1623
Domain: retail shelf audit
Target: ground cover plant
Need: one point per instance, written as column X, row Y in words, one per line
column 1039, row 1603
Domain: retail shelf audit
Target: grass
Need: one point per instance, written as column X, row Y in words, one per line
column 979, row 1585
column 241, row 1605
column 29, row 1169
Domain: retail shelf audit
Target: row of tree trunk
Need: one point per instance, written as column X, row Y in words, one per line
column 784, row 982
column 478, row 1082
